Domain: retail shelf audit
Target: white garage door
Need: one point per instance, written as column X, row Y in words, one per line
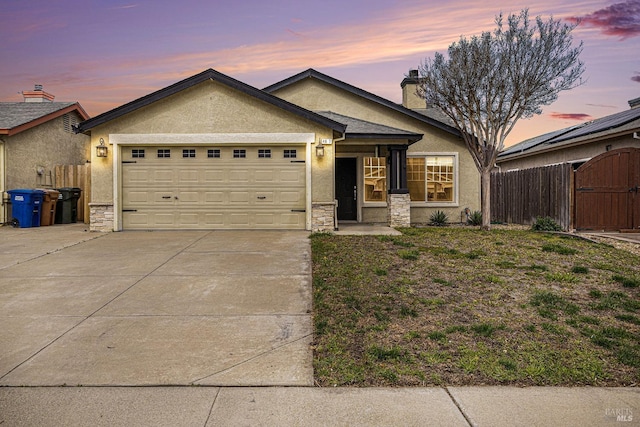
column 213, row 187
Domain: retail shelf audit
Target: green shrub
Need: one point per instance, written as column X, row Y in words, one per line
column 475, row 218
column 438, row 218
column 545, row 224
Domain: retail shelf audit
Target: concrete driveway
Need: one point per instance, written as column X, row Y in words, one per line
column 154, row 308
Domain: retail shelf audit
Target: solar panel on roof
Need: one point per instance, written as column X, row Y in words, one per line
column 535, row 141
column 602, row 124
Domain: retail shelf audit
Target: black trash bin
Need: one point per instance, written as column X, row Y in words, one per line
column 67, row 206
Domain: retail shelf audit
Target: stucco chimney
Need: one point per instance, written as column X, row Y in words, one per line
column 409, row 97
column 37, row 95
column 634, row 103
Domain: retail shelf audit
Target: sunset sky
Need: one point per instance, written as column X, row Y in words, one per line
column 104, row 53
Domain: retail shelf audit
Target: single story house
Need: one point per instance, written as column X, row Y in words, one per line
column 576, row 144
column 308, row 152
column 35, row 136
column 604, row 155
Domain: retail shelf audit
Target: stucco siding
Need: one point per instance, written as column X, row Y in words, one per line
column 42, row 148
column 211, row 108
column 317, row 95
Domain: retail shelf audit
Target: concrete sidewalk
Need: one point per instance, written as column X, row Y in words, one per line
column 94, row 327
column 309, row 406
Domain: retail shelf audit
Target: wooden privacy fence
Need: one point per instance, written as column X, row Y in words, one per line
column 519, row 197
column 76, row 176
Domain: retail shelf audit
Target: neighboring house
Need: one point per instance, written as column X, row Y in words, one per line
column 576, row 144
column 35, row 136
column 213, row 152
column 604, row 177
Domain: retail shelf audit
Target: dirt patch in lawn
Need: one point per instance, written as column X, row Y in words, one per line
column 458, row 306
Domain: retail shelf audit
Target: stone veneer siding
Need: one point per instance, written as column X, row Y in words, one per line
column 100, row 217
column 399, row 210
column 323, row 216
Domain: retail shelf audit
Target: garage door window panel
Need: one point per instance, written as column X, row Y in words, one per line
column 239, row 154
column 137, row 153
column 213, row 153
column 164, row 153
column 189, row 153
column 264, row 153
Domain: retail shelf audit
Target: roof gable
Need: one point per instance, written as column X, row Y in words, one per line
column 311, row 73
column 16, row 117
column 189, row 82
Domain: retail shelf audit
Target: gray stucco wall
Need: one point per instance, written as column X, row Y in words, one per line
column 42, row 148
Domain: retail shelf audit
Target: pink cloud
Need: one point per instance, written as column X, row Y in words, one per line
column 619, row 19
column 570, row 116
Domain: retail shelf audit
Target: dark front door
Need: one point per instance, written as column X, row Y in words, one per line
column 346, row 189
column 607, row 191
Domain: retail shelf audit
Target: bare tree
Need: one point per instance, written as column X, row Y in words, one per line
column 489, row 82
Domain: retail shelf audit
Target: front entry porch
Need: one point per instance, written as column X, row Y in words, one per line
column 370, row 187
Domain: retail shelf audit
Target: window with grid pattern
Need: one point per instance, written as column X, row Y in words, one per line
column 164, row 153
column 189, row 153
column 239, row 154
column 137, row 153
column 431, row 178
column 375, row 179
column 264, row 153
column 213, row 153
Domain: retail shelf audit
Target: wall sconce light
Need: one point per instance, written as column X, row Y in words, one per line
column 101, row 150
column 319, row 150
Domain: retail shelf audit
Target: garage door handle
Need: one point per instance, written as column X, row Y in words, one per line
column 129, row 210
column 298, row 210
column 166, row 197
column 262, row 197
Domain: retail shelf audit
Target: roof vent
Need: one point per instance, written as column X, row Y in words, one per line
column 38, row 87
column 634, row 103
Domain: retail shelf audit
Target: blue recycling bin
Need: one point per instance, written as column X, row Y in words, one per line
column 26, row 205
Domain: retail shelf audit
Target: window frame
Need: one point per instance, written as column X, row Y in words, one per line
column 163, row 153
column 264, row 153
column 138, row 153
column 456, row 178
column 187, row 153
column 214, row 153
column 239, row 153
column 363, row 166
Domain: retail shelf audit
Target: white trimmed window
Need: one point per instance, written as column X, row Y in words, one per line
column 433, row 178
column 375, row 179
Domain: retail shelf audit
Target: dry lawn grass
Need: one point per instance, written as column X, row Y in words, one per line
column 458, row 306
